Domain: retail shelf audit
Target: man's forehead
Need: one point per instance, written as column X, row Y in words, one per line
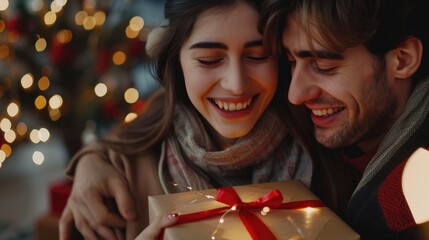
column 295, row 36
column 304, row 43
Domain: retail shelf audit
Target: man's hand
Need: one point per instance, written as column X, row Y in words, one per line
column 95, row 181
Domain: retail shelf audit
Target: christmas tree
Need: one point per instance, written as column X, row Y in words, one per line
column 76, row 67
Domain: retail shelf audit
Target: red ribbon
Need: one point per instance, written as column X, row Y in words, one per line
column 256, row 228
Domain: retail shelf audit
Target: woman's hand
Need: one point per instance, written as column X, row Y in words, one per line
column 153, row 231
column 94, row 182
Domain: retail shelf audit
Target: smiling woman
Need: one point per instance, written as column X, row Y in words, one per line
column 215, row 122
column 229, row 77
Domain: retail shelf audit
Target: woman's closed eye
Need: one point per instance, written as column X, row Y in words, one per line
column 210, row 62
column 214, row 62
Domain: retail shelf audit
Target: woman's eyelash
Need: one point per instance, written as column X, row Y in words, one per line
column 209, row 63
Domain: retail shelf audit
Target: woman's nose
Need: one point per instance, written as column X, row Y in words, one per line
column 235, row 80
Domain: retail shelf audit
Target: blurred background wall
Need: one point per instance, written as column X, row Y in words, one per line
column 69, row 70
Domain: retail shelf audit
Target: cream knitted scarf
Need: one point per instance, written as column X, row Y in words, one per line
column 192, row 160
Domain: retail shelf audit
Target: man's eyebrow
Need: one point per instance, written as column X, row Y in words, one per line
column 209, row 45
column 324, row 54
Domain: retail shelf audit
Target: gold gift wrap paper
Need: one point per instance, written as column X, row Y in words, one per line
column 305, row 223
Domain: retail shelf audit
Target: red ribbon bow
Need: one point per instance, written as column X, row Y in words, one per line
column 256, row 228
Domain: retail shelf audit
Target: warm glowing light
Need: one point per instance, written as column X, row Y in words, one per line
column 56, row 101
column 44, row 83
column 131, row 33
column 12, row 109
column 6, row 149
column 80, row 17
column 40, row 102
column 34, row 136
column 130, row 117
column 2, row 25
column 136, row 23
column 4, row 4
column 38, row 157
column 36, row 5
column 414, row 184
column 5, row 124
column 265, row 211
column 131, row 95
column 55, row 7
column 4, row 51
column 61, row 3
column 2, row 157
column 40, row 44
column 100, row 18
column 221, row 220
column 10, row 136
column 119, row 58
column 44, row 134
column 100, row 89
column 27, row 81
column 50, row 18
column 54, row 114
column 21, row 128
column 89, row 23
column 64, row 36
column 310, row 210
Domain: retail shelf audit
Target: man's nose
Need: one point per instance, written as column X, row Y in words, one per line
column 302, row 86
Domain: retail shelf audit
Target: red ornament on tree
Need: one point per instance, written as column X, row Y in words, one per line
column 103, row 61
column 61, row 54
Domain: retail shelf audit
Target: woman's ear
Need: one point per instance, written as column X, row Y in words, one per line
column 406, row 59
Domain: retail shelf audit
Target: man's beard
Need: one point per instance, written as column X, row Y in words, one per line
column 380, row 103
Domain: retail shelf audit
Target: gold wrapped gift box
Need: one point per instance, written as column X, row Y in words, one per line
column 303, row 223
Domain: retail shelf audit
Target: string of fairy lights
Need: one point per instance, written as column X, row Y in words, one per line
column 304, row 223
column 39, row 84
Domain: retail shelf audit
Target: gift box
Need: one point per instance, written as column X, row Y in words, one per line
column 278, row 210
column 58, row 195
column 46, row 225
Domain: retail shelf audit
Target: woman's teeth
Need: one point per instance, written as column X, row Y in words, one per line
column 228, row 106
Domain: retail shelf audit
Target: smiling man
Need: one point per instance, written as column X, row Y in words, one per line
column 361, row 69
